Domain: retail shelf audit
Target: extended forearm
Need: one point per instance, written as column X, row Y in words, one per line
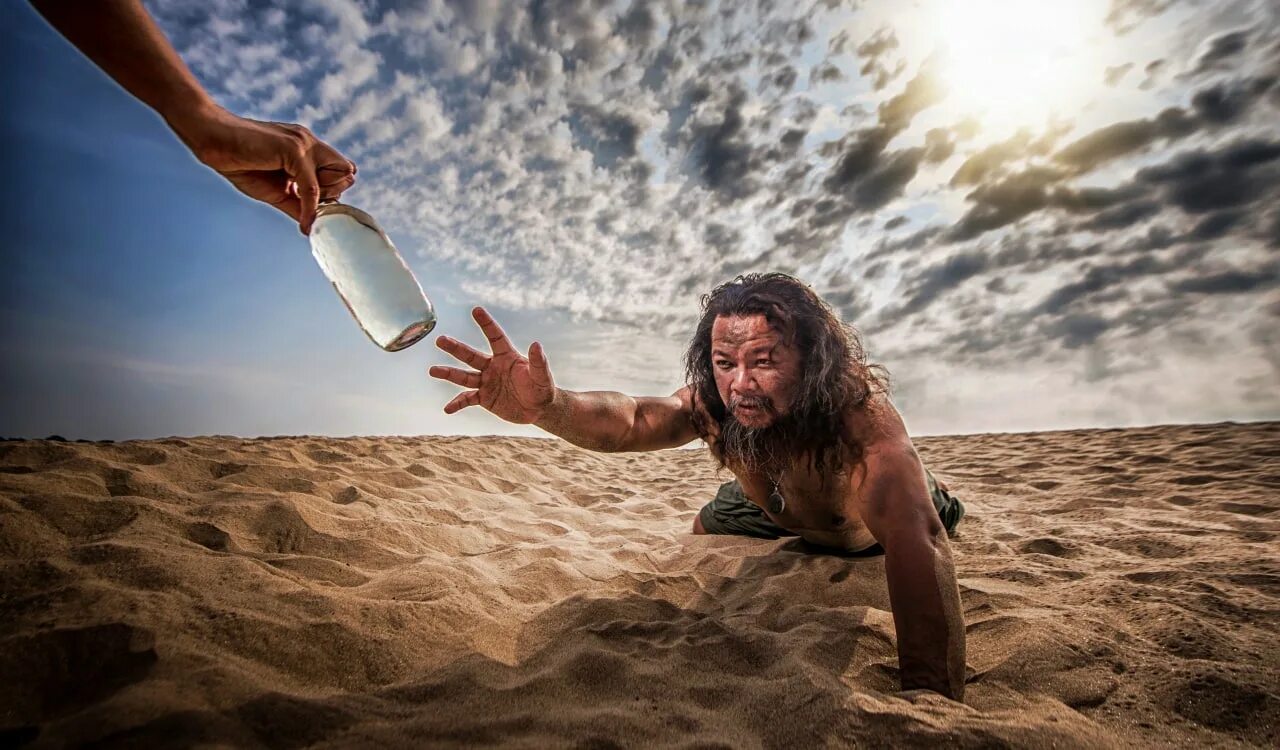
column 595, row 420
column 927, row 614
column 122, row 39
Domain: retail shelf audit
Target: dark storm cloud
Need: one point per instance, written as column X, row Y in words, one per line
column 847, row 295
column 1002, row 203
column 1120, row 217
column 992, row 159
column 860, row 173
column 782, row 79
column 1200, row 181
column 873, row 52
column 1097, row 279
column 1226, row 103
column 569, row 27
column 1222, row 49
column 1077, row 329
column 887, row 181
column 637, row 25
column 1152, row 72
column 1215, row 225
column 939, row 145
column 722, row 151
column 609, row 135
column 1195, row 181
column 1231, row 281
column 935, row 280
column 1121, row 138
column 825, row 72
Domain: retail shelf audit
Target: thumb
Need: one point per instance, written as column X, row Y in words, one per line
column 303, row 172
column 541, row 369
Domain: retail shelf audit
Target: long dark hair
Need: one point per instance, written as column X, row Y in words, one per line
column 835, row 375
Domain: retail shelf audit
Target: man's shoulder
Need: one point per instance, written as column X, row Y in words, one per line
column 876, row 424
column 692, row 404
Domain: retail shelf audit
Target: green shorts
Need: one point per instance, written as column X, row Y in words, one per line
column 732, row 513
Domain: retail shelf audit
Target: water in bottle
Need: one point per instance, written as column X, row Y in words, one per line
column 370, row 276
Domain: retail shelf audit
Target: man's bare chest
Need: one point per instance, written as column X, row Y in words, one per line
column 822, row 509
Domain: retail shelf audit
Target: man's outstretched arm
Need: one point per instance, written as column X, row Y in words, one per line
column 615, row 422
column 895, row 505
column 521, row 389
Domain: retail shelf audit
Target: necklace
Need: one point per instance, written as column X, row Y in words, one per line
column 777, row 503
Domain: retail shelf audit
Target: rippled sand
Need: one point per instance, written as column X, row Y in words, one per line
column 1121, row 587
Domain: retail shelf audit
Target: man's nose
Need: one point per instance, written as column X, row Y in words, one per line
column 743, row 380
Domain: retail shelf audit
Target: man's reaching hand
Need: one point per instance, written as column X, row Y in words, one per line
column 513, row 387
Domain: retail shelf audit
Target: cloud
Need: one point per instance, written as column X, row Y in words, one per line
column 1198, row 181
column 1232, row 281
column 1221, row 51
column 1125, row 15
column 1115, row 73
column 1123, row 138
column 874, row 52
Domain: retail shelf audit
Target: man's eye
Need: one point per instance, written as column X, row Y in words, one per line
column 763, row 363
column 724, row 364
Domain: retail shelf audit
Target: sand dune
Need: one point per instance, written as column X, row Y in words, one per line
column 1121, row 587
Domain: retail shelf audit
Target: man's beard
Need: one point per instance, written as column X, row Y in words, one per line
column 767, row 449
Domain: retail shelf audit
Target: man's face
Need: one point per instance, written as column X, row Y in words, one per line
column 756, row 370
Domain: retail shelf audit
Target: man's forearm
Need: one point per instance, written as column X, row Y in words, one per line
column 927, row 614
column 595, row 420
column 121, row 38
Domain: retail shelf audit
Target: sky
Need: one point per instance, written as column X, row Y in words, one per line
column 1036, row 215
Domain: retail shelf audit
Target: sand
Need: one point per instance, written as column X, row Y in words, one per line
column 1120, row 587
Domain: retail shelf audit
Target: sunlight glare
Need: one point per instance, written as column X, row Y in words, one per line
column 1018, row 62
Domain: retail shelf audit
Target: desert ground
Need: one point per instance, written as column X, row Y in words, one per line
column 1120, row 588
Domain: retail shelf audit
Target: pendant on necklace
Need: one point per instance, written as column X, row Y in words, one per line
column 777, row 503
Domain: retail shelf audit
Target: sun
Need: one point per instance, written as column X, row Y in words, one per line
column 1012, row 63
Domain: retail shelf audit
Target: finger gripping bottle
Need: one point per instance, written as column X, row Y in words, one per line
column 370, row 276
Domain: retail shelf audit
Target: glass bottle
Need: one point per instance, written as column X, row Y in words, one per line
column 370, row 276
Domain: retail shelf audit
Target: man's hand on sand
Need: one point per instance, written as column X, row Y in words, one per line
column 513, row 387
column 280, row 164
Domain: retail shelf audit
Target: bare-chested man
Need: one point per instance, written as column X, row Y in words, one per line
column 781, row 392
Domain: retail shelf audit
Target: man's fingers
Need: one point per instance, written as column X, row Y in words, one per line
column 327, row 176
column 326, row 157
column 462, row 401
column 498, row 340
column 540, row 369
column 302, row 170
column 333, row 191
column 308, row 196
column 464, row 378
column 462, row 352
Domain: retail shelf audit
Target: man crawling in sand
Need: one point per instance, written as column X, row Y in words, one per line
column 781, row 392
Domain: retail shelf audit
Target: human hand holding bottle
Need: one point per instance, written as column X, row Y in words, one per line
column 280, row 164
column 283, row 165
